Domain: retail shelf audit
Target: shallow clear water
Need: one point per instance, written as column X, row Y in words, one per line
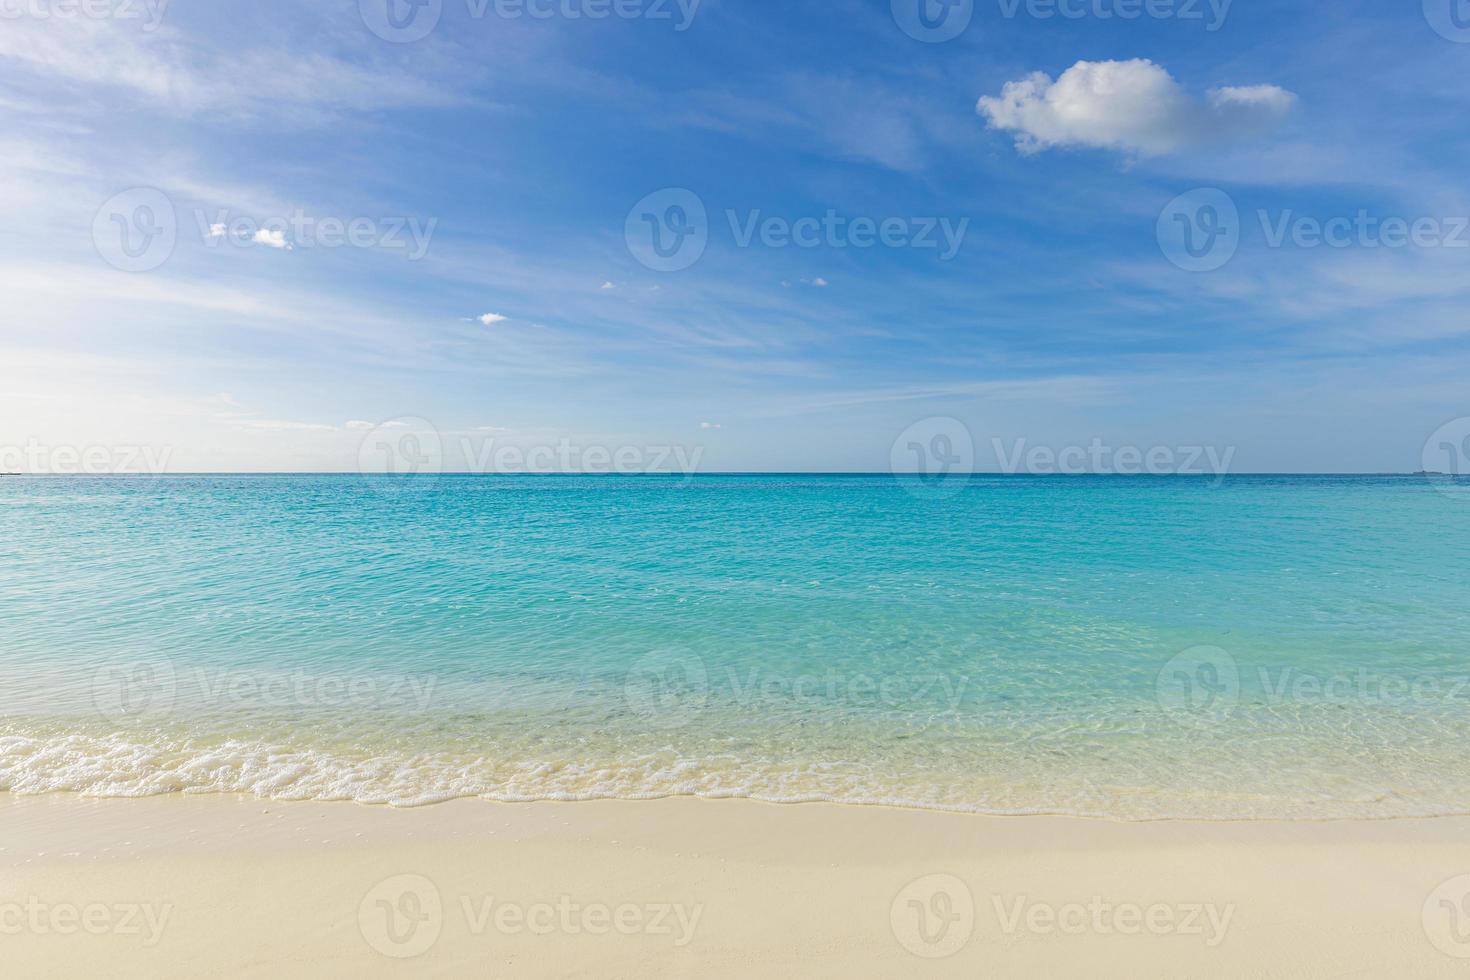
column 1138, row 648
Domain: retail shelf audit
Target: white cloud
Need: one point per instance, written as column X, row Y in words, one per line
column 282, row 425
column 273, row 237
column 1134, row 106
column 359, row 424
column 819, row 282
column 709, row 425
column 489, row 319
column 609, row 285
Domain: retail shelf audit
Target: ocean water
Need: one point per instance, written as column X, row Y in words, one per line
column 1138, row 648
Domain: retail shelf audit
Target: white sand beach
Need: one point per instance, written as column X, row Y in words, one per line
column 197, row 886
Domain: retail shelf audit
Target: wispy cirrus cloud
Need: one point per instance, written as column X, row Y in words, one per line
column 194, row 73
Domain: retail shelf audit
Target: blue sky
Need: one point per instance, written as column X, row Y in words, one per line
column 494, row 166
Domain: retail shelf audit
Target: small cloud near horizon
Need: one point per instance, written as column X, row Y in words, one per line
column 272, row 237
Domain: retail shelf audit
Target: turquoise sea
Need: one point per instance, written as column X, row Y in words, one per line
column 1130, row 647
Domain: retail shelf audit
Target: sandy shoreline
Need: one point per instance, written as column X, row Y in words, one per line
column 194, row 886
